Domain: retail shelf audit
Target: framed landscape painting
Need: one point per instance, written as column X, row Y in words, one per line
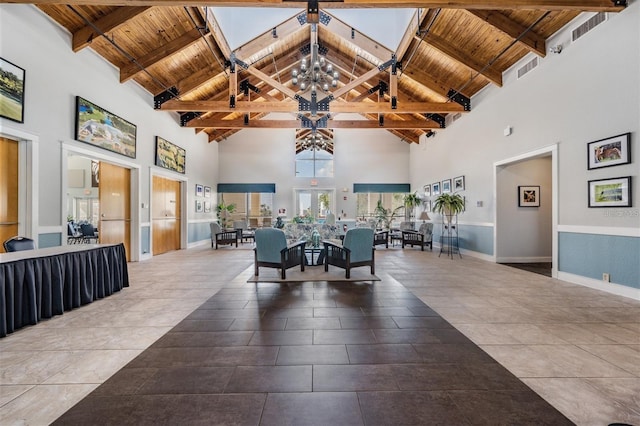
column 170, row 156
column 97, row 126
column 608, row 152
column 614, row 192
column 11, row 91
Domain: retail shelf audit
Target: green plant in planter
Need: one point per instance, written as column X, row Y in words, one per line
column 385, row 216
column 411, row 201
column 224, row 211
column 449, row 205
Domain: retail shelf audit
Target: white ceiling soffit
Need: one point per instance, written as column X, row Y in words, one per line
column 242, row 24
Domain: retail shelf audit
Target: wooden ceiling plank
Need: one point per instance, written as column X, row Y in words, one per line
column 531, row 41
column 578, row 5
column 159, row 54
column 85, row 35
column 295, row 124
column 463, row 58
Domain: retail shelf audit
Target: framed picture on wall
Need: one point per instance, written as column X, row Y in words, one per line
column 170, row 156
column 199, row 190
column 435, row 188
column 199, row 206
column 11, row 91
column 529, row 196
column 446, row 186
column 458, row 184
column 426, row 190
column 608, row 152
column 614, row 192
column 207, row 206
column 207, row 192
column 99, row 127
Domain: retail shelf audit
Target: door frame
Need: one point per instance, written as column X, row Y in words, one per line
column 184, row 211
column 551, row 150
column 28, row 178
column 316, row 189
column 69, row 149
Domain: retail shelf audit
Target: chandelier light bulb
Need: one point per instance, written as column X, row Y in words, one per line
column 294, row 72
column 325, row 86
column 303, row 86
column 294, row 80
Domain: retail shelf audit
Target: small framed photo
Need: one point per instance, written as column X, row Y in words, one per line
column 11, row 91
column 427, row 206
column 528, row 196
column 207, row 206
column 608, row 152
column 458, row 184
column 435, row 188
column 199, row 190
column 207, row 192
column 446, row 186
column 199, row 206
column 426, row 190
column 614, row 192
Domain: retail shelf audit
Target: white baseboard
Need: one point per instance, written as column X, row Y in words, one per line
column 199, row 243
column 145, row 256
column 470, row 253
column 620, row 290
column 541, row 259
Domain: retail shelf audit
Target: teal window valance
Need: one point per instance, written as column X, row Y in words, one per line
column 246, row 187
column 382, row 187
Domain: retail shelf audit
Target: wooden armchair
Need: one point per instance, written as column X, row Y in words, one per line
column 357, row 250
column 422, row 237
column 220, row 237
column 271, row 251
column 380, row 238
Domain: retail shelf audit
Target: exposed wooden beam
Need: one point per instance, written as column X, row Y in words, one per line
column 218, row 36
column 414, row 25
column 295, row 124
column 271, row 81
column 264, row 40
column 579, row 5
column 358, row 39
column 174, row 46
column 531, row 41
column 85, row 35
column 463, row 58
column 334, row 107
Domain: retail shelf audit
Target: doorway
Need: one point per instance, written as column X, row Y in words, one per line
column 166, row 211
column 523, row 233
column 9, row 218
column 114, row 225
column 315, row 202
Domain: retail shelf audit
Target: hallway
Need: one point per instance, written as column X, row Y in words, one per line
column 577, row 348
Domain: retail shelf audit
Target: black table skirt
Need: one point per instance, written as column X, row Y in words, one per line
column 41, row 287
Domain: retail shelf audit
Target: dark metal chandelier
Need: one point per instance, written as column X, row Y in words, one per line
column 318, row 73
column 314, row 142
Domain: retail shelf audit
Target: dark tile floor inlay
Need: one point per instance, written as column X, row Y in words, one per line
column 313, row 354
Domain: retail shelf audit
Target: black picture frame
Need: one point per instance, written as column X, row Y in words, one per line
column 608, row 152
column 446, row 186
column 199, row 190
column 610, row 192
column 170, row 156
column 98, row 127
column 458, row 184
column 529, row 196
column 12, row 82
column 435, row 189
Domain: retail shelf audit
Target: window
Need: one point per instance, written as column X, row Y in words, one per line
column 313, row 163
column 249, row 204
column 367, row 202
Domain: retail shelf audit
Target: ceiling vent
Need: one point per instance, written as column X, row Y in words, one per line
column 529, row 66
column 593, row 22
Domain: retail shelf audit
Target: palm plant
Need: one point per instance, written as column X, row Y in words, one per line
column 411, row 201
column 224, row 211
column 449, row 205
column 385, row 216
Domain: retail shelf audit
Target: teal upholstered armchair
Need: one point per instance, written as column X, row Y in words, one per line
column 271, row 251
column 357, row 250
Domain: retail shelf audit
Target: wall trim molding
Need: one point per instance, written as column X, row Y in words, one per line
column 202, row 221
column 145, row 225
column 50, row 230
column 480, row 224
column 540, row 259
column 600, row 230
column 470, row 253
column 617, row 289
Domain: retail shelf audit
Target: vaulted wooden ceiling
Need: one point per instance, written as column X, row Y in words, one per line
column 449, row 52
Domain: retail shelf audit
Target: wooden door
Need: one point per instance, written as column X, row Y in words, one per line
column 166, row 211
column 115, row 205
column 8, row 190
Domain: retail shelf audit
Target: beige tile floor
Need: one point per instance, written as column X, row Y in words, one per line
column 578, row 348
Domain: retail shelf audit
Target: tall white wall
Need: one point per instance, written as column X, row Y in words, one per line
column 55, row 75
column 268, row 156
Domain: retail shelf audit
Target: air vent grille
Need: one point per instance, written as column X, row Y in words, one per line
column 593, row 22
column 527, row 67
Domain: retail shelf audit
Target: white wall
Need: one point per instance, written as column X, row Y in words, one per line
column 268, row 156
column 588, row 92
column 524, row 234
column 55, row 75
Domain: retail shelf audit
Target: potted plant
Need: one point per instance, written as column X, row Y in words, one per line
column 449, row 205
column 411, row 201
column 385, row 216
column 224, row 211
